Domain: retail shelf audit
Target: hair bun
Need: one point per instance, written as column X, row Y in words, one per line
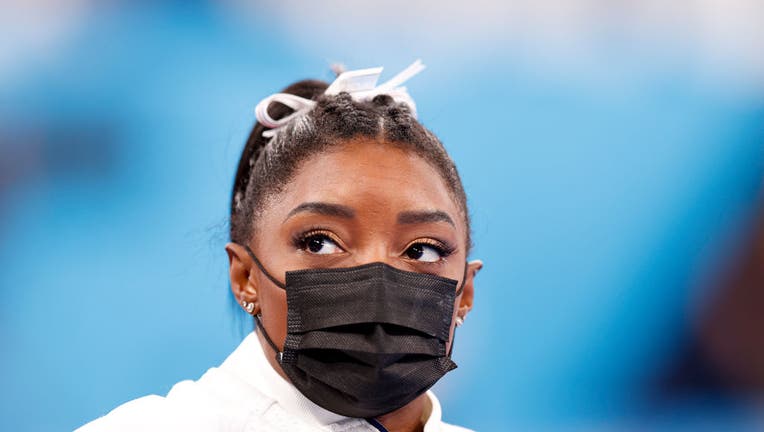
column 309, row 89
column 383, row 100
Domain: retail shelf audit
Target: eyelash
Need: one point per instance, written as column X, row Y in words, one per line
column 300, row 240
column 444, row 249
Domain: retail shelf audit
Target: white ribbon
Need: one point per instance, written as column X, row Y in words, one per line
column 361, row 84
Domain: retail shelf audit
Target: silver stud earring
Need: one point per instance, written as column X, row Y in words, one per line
column 459, row 321
column 248, row 306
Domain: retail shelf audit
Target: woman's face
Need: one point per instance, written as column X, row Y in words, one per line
column 362, row 202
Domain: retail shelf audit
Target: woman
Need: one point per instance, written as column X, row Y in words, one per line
column 349, row 240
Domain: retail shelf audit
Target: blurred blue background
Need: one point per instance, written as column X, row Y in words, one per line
column 611, row 152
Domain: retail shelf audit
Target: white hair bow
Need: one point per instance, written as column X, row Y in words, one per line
column 361, row 84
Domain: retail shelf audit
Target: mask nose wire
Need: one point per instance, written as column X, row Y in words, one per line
column 283, row 285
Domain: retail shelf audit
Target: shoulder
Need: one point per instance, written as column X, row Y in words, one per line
column 216, row 401
column 146, row 413
column 445, row 427
column 435, row 422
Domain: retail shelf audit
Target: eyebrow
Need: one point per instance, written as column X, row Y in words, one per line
column 424, row 216
column 323, row 208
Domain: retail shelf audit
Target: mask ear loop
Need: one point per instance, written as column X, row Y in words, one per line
column 464, row 280
column 265, row 272
column 458, row 293
column 279, row 353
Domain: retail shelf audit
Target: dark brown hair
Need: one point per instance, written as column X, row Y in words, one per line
column 268, row 164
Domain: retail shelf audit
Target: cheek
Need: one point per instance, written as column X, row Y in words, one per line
column 273, row 308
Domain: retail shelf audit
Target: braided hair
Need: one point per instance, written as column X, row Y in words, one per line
column 268, row 164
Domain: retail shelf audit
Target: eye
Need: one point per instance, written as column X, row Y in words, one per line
column 425, row 252
column 319, row 244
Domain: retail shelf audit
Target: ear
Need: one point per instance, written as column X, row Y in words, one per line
column 243, row 285
column 468, row 295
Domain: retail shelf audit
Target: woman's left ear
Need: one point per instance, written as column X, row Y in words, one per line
column 468, row 295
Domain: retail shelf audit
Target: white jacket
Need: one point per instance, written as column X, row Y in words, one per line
column 244, row 394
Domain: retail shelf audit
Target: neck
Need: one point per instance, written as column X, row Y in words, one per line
column 408, row 418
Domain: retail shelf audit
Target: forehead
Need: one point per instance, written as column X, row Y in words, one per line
column 370, row 176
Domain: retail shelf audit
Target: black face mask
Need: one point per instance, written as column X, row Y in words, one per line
column 364, row 341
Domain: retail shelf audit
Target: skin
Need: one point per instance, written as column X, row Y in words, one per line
column 376, row 223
